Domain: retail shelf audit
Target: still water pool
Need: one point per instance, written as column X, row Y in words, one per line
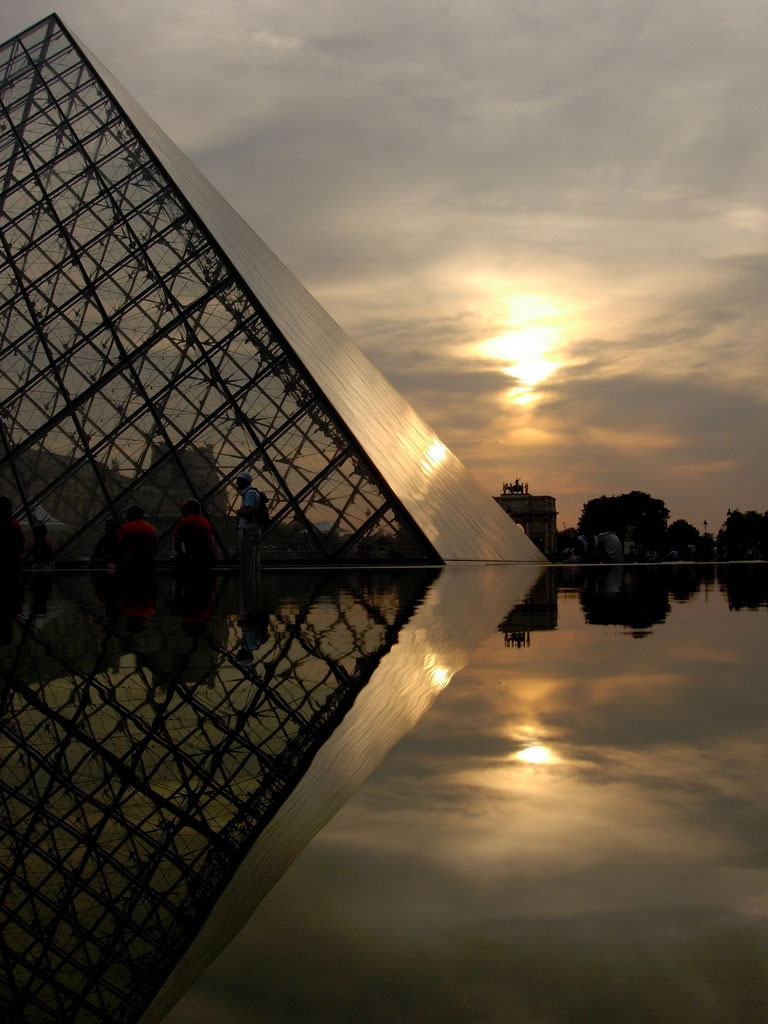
column 497, row 794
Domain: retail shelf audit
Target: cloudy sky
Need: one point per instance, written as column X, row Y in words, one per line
column 546, row 222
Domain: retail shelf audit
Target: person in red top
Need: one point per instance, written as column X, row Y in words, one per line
column 138, row 541
column 11, row 539
column 193, row 539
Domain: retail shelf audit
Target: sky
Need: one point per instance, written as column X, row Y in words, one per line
column 546, row 222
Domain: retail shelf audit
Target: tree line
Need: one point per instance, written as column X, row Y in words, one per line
column 641, row 522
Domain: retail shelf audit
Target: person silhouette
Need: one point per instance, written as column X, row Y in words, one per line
column 11, row 539
column 41, row 551
column 137, row 542
column 193, row 538
column 106, row 553
column 248, row 529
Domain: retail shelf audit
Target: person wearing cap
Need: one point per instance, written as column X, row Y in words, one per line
column 248, row 532
column 137, row 540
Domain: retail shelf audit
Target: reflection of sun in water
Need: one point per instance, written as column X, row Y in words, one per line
column 529, row 348
column 438, row 676
column 535, row 755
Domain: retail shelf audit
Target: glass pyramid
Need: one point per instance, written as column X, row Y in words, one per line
column 151, row 347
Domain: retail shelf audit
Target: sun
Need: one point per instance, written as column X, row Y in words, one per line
column 535, row 755
column 529, row 347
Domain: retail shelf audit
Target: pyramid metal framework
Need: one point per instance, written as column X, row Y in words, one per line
column 136, row 776
column 151, row 347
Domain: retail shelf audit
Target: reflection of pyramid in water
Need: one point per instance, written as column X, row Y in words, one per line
column 136, row 771
column 152, row 347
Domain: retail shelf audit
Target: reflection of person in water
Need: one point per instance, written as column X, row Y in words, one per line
column 137, row 599
column 11, row 604
column 40, row 587
column 253, row 619
column 106, row 588
column 194, row 600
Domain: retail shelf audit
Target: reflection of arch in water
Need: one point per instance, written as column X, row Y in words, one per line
column 132, row 781
column 538, row 611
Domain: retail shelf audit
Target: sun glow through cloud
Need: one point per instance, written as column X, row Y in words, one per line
column 530, row 347
column 536, row 754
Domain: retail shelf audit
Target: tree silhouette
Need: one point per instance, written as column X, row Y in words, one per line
column 744, row 535
column 681, row 535
column 634, row 516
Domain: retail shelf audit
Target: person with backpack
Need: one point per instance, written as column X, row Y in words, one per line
column 252, row 518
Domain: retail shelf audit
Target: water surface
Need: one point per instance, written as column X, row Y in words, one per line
column 498, row 794
column 620, row 873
